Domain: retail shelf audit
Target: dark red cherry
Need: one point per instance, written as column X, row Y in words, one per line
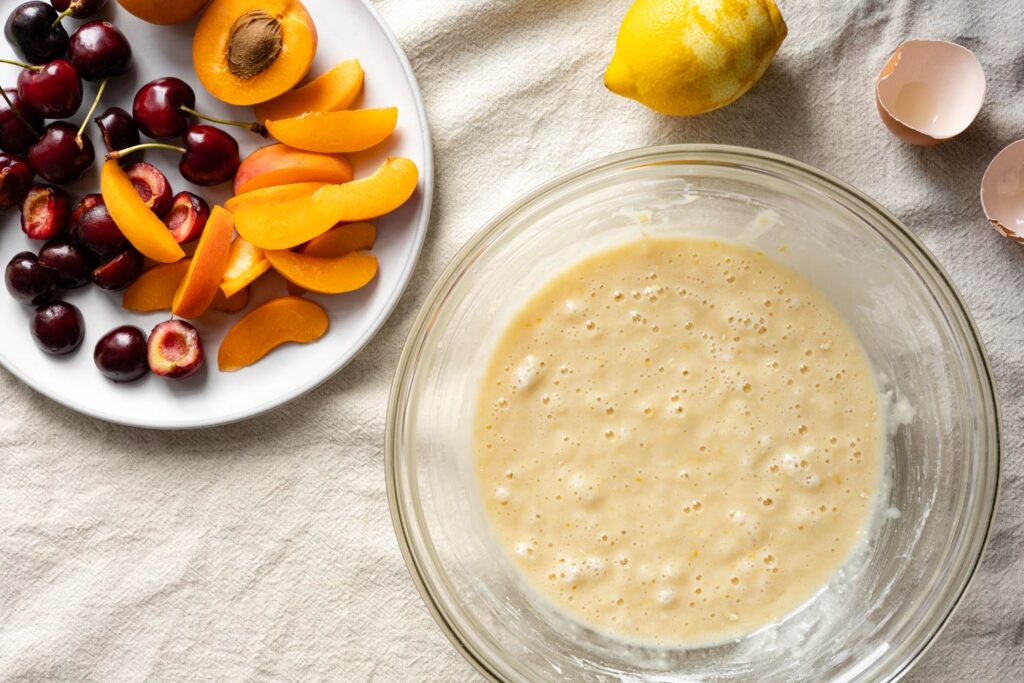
column 15, row 180
column 120, row 354
column 99, row 50
column 31, row 32
column 58, row 328
column 54, row 89
column 29, row 281
column 119, row 272
column 79, row 9
column 60, row 156
column 119, row 131
column 211, row 156
column 45, row 212
column 73, row 263
column 164, row 107
column 93, row 228
column 20, row 125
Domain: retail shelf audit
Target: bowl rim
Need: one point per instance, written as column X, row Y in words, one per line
column 949, row 593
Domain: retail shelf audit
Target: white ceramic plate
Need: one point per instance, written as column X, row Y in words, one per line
column 347, row 28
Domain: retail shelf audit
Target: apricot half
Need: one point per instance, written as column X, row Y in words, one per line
column 251, row 51
column 245, row 263
column 263, row 329
column 337, row 275
column 162, row 11
column 154, row 290
column 136, row 221
column 285, row 224
column 352, row 130
column 330, row 91
column 283, row 165
column 272, row 195
column 202, row 280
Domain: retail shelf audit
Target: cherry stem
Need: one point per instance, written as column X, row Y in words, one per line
column 92, row 110
column 17, row 113
column 23, row 65
column 117, row 154
column 60, row 17
column 257, row 128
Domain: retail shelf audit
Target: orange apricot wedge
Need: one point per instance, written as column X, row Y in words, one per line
column 335, row 243
column 286, row 224
column 283, row 165
column 330, row 91
column 163, row 12
column 263, row 329
column 245, row 263
column 140, row 225
column 154, row 290
column 250, row 51
column 202, row 280
column 271, row 195
column 352, row 130
column 336, row 275
column 230, row 304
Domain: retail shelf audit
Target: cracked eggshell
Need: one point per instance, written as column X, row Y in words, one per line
column 930, row 91
column 1002, row 192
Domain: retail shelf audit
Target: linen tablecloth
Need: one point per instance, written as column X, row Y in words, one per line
column 264, row 550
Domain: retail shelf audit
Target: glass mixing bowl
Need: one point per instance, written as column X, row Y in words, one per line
column 875, row 618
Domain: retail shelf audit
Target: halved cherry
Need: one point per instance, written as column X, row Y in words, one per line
column 119, row 272
column 45, row 212
column 152, row 186
column 174, row 349
column 187, row 217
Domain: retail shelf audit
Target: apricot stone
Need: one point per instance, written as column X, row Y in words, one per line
column 263, row 329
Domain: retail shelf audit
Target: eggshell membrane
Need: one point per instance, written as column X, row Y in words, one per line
column 930, row 91
column 1002, row 192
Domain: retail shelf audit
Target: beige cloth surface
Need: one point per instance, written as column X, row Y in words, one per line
column 264, row 550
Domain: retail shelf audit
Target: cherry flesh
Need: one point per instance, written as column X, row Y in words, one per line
column 58, row 328
column 152, row 186
column 119, row 131
column 45, row 212
column 163, row 108
column 174, row 349
column 61, row 156
column 15, row 179
column 93, row 228
column 29, row 281
column 31, row 31
column 19, row 123
column 54, row 90
column 120, row 354
column 187, row 217
column 79, row 9
column 119, row 272
column 72, row 263
column 99, row 50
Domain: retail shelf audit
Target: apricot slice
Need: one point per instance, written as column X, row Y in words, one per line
column 140, row 225
column 285, row 224
column 283, row 165
column 245, row 263
column 337, row 242
column 162, row 11
column 330, row 91
column 271, row 195
column 336, row 275
column 230, row 304
column 352, row 130
column 202, row 279
column 263, row 329
column 154, row 290
column 251, row 51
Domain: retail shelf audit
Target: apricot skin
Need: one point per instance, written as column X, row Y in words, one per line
column 330, row 91
column 162, row 11
column 336, row 131
column 272, row 195
column 211, row 42
column 202, row 280
column 286, row 224
column 263, row 329
column 283, row 165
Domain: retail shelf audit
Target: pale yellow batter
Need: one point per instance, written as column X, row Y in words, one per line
column 678, row 440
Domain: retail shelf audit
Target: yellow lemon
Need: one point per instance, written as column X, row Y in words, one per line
column 686, row 57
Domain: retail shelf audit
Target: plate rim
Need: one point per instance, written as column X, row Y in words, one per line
column 421, row 228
